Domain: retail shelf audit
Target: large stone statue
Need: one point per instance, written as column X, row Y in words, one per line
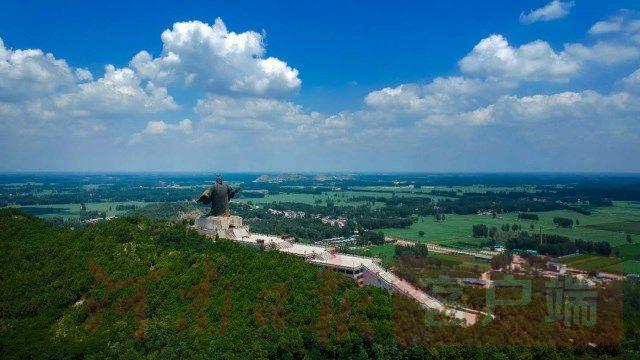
column 218, row 196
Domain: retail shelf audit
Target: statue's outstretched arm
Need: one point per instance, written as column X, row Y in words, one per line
column 205, row 198
column 231, row 192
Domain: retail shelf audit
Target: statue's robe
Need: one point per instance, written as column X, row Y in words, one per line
column 218, row 196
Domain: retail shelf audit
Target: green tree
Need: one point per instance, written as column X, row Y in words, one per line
column 480, row 230
column 563, row 222
column 501, row 261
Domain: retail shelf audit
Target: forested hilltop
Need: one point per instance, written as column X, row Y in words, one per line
column 133, row 287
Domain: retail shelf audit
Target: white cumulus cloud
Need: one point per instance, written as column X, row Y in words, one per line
column 31, row 73
column 632, row 81
column 534, row 61
column 272, row 119
column 625, row 26
column 441, row 95
column 603, row 52
column 251, row 113
column 84, row 74
column 493, row 57
column 552, row 11
column 561, row 107
column 159, row 127
column 217, row 60
column 611, row 25
column 36, row 87
column 119, row 91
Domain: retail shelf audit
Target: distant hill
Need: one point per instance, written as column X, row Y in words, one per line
column 279, row 178
column 274, row 179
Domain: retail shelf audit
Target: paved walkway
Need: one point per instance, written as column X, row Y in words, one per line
column 468, row 316
column 321, row 256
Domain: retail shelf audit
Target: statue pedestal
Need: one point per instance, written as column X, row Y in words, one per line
column 225, row 227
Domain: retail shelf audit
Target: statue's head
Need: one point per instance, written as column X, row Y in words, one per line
column 218, row 179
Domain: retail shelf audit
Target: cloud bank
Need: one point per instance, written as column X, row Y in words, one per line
column 502, row 97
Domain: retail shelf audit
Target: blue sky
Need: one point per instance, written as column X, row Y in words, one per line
column 320, row 86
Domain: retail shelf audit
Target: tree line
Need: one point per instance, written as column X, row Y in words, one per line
column 556, row 245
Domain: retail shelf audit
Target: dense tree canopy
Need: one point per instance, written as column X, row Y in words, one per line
column 133, row 288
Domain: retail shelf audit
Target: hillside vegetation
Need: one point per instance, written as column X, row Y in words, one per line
column 139, row 288
column 134, row 287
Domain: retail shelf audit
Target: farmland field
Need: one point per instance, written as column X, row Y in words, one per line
column 296, row 198
column 457, row 228
column 339, row 198
column 457, row 189
column 462, row 260
column 624, row 267
column 631, row 267
column 604, row 223
column 600, row 263
column 629, row 251
column 591, row 262
column 386, row 252
column 72, row 211
column 628, row 227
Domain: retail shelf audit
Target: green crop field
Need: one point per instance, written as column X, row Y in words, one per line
column 386, row 252
column 589, row 262
column 631, row 267
column 628, row 227
column 624, row 267
column 604, row 224
column 461, row 260
column 72, row 211
column 629, row 251
column 458, row 189
column 600, row 263
column 339, row 198
column 295, row 198
column 457, row 228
